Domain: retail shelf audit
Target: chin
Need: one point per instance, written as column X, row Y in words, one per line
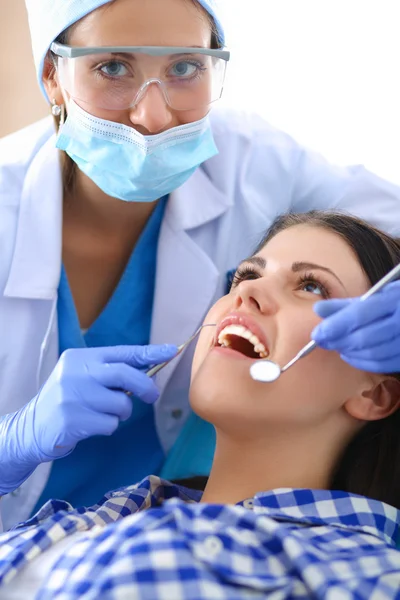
column 219, row 389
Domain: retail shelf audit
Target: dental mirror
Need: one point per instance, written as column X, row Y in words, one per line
column 268, row 371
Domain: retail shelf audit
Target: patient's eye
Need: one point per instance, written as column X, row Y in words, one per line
column 312, row 287
column 245, row 273
column 309, row 283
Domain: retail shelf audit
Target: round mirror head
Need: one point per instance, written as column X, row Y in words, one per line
column 265, row 371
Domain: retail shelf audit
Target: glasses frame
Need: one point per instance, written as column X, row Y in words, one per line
column 75, row 52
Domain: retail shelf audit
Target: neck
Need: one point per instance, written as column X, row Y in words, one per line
column 94, row 209
column 284, row 459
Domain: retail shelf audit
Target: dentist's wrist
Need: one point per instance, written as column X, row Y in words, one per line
column 17, row 461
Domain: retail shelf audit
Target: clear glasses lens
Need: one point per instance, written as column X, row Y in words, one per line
column 117, row 81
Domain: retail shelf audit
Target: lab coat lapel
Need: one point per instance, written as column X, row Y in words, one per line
column 186, row 279
column 36, row 262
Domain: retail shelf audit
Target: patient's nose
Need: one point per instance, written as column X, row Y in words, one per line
column 253, row 296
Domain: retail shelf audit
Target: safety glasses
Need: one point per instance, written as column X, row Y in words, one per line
column 117, row 77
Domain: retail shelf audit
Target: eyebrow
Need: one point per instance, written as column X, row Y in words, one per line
column 303, row 266
column 260, row 262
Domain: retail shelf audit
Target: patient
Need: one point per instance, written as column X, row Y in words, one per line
column 304, row 494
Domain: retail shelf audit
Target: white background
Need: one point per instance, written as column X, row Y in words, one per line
column 325, row 71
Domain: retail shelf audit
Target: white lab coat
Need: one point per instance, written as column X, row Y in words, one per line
column 213, row 221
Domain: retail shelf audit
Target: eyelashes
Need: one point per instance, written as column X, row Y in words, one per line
column 243, row 273
column 311, row 280
column 248, row 273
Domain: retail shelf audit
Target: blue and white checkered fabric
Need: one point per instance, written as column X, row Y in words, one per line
column 154, row 541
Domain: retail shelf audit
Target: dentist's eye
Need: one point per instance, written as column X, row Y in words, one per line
column 187, row 70
column 310, row 284
column 244, row 273
column 114, row 68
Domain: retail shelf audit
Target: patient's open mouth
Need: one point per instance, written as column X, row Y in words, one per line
column 235, row 334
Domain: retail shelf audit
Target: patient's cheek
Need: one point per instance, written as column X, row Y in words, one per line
column 293, row 332
column 206, row 338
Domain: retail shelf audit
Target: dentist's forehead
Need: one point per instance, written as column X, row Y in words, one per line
column 133, row 22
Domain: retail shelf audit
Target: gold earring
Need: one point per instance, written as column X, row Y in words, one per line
column 55, row 109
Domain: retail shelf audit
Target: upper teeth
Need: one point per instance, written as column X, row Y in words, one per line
column 245, row 333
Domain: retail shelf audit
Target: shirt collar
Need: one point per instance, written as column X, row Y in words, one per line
column 299, row 506
column 325, row 507
column 306, row 507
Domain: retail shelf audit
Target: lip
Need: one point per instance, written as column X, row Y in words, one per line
column 247, row 321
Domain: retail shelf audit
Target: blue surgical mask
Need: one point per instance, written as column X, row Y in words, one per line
column 128, row 165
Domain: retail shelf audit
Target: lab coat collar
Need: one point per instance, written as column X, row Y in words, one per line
column 36, row 263
column 198, row 201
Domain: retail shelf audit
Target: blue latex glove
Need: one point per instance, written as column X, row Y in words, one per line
column 366, row 334
column 81, row 398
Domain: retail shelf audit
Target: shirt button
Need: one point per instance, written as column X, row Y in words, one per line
column 213, row 545
column 249, row 503
column 176, row 413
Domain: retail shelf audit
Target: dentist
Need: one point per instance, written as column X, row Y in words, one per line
column 116, row 220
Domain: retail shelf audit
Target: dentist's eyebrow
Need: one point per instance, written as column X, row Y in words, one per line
column 303, row 266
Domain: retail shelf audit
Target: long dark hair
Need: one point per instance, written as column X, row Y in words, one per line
column 370, row 465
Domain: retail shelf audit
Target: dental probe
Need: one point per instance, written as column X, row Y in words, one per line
column 153, row 370
column 268, row 371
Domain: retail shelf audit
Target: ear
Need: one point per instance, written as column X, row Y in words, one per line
column 377, row 402
column 50, row 81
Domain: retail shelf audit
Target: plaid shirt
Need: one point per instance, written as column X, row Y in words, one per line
column 155, row 541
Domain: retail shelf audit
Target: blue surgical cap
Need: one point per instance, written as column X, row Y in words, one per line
column 49, row 18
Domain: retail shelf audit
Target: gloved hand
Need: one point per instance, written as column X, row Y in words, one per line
column 82, row 397
column 365, row 333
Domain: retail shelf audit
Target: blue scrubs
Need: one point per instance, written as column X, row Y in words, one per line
column 103, row 463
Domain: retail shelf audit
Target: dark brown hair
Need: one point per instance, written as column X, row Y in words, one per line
column 370, row 465
column 67, row 165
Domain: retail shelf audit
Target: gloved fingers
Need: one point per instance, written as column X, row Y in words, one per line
column 379, row 353
column 326, row 308
column 75, row 430
column 356, row 315
column 120, row 376
column 391, row 365
column 108, row 401
column 138, row 356
column 98, row 424
column 375, row 337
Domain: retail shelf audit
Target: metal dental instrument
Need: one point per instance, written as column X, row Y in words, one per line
column 268, row 371
column 181, row 348
column 153, row 370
